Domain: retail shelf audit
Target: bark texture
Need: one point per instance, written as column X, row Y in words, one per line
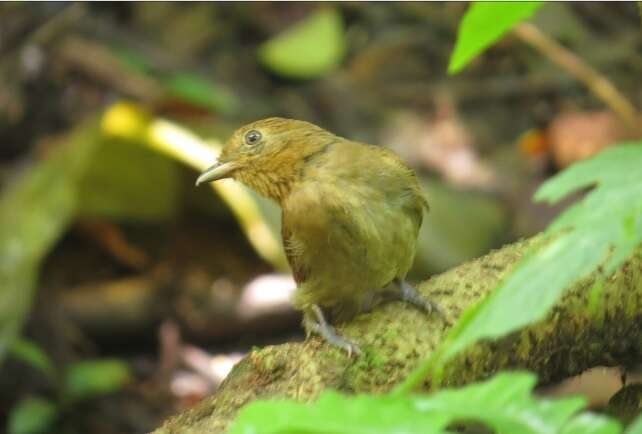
column 396, row 338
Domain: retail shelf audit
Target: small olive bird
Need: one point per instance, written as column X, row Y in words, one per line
column 351, row 214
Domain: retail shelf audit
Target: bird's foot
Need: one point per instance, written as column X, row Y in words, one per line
column 327, row 332
column 408, row 293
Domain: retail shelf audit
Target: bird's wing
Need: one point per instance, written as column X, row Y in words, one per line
column 316, row 218
column 294, row 252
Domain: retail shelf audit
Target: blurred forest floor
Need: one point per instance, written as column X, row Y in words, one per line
column 152, row 273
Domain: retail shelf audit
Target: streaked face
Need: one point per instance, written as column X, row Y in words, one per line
column 252, row 143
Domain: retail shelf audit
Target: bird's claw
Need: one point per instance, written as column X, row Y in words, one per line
column 349, row 346
column 330, row 336
column 327, row 332
column 409, row 294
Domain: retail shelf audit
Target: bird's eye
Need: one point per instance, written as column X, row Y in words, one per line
column 252, row 137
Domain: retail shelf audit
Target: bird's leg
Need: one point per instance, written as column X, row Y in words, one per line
column 320, row 326
column 406, row 292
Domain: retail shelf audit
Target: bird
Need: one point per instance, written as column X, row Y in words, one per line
column 351, row 214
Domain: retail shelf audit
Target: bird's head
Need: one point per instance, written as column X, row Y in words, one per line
column 267, row 155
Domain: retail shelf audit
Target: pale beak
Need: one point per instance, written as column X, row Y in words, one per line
column 220, row 170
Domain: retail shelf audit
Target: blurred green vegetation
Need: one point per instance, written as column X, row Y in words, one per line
column 108, row 112
column 80, row 381
column 310, row 49
column 504, row 404
column 483, row 24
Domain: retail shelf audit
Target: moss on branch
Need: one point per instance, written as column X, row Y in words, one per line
column 396, row 339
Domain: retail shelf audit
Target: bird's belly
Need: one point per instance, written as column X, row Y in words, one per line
column 356, row 256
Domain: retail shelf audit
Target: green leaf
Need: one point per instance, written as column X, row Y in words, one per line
column 615, row 206
column 483, row 24
column 582, row 238
column 34, row 210
column 32, row 416
column 129, row 182
column 132, row 60
column 203, row 93
column 636, row 426
column 308, row 49
column 537, row 282
column 30, row 353
column 504, row 403
column 94, row 377
column 589, row 423
column 603, row 228
column 333, row 413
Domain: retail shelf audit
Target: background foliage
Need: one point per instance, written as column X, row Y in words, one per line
column 106, row 249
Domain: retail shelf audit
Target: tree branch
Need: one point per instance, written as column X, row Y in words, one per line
column 397, row 338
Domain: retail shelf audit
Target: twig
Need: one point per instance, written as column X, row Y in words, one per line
column 599, row 85
column 100, row 63
column 58, row 23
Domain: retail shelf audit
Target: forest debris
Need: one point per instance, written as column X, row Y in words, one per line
column 213, row 367
column 598, row 84
column 267, row 294
column 57, row 24
column 533, row 143
column 26, row 59
column 189, row 387
column 218, row 308
column 169, row 338
column 127, row 305
column 443, row 144
column 206, row 373
column 97, row 61
column 575, row 135
column 201, row 305
column 111, row 238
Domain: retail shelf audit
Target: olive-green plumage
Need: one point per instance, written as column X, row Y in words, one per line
column 351, row 211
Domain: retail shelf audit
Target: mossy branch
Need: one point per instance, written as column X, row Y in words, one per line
column 396, row 339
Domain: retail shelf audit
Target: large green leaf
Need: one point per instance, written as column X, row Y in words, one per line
column 603, row 228
column 504, row 403
column 308, row 49
column 128, row 182
column 34, row 210
column 483, row 24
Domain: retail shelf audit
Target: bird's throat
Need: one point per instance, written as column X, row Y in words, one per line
column 271, row 184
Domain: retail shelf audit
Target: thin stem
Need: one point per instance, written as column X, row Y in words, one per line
column 599, row 85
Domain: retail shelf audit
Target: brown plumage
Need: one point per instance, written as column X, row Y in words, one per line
column 351, row 213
